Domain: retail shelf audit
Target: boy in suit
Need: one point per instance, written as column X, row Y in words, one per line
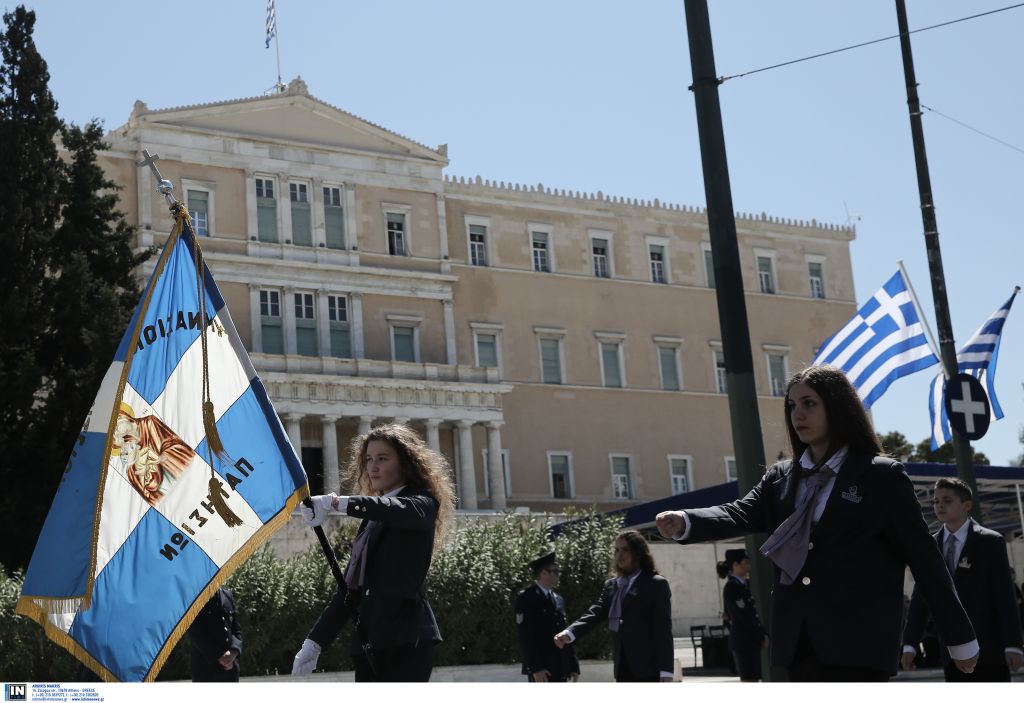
column 976, row 558
column 637, row 605
column 540, row 614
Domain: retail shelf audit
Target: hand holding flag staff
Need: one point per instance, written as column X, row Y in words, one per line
column 181, row 471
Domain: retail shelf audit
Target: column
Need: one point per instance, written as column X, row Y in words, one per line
column 255, row 319
column 358, row 348
column 433, row 435
column 288, row 320
column 495, row 466
column 323, row 324
column 284, row 209
column 442, row 225
column 364, row 424
column 145, row 194
column 332, row 472
column 293, row 426
column 316, row 212
column 252, row 226
column 351, row 223
column 467, row 470
column 449, row 331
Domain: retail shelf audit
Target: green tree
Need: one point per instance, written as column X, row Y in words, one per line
column 67, row 266
column 897, row 445
column 943, row 455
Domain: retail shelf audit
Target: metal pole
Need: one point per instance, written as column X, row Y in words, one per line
column 744, row 414
column 961, row 447
column 1020, row 509
column 277, row 49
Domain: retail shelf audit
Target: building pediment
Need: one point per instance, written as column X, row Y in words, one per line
column 293, row 117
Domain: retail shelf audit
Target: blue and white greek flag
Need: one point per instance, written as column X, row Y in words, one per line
column 884, row 341
column 978, row 357
column 133, row 547
column 271, row 21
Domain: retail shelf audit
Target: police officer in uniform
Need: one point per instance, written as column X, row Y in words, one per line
column 540, row 614
column 216, row 640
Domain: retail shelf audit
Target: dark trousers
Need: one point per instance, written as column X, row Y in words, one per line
column 626, row 675
column 402, row 663
column 981, row 673
column 807, row 667
column 748, row 663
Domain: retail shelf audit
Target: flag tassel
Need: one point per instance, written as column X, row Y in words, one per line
column 216, row 497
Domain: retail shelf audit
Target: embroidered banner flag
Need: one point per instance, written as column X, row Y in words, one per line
column 977, row 357
column 137, row 540
column 884, row 341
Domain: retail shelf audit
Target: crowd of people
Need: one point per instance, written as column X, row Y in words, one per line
column 843, row 523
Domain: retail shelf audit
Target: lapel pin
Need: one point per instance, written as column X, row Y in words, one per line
column 850, row 494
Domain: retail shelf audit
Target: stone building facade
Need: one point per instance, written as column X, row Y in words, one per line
column 574, row 335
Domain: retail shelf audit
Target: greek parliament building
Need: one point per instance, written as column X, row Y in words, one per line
column 570, row 339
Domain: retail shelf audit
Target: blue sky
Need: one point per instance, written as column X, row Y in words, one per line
column 592, row 95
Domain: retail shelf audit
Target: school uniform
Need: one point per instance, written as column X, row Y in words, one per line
column 391, row 596
column 977, row 557
column 839, row 617
column 642, row 647
column 540, row 615
column 215, row 631
column 745, row 630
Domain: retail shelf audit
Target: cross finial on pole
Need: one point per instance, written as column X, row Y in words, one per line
column 164, row 186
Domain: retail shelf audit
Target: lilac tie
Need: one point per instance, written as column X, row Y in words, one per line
column 787, row 546
column 615, row 610
column 951, row 554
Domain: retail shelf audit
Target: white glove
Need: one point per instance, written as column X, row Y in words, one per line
column 305, row 660
column 321, row 506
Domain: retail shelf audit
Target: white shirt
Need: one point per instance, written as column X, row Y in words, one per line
column 629, row 584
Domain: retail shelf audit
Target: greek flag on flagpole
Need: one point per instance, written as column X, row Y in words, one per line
column 978, row 357
column 884, row 341
column 271, row 21
column 133, row 547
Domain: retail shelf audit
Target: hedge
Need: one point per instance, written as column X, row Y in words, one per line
column 472, row 585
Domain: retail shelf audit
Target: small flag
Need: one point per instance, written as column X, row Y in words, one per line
column 884, row 341
column 978, row 357
column 138, row 538
column 271, row 21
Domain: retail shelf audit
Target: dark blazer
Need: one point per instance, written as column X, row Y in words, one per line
column 644, row 638
column 849, row 595
column 537, row 623
column 986, row 590
column 393, row 605
column 745, row 629
column 215, row 631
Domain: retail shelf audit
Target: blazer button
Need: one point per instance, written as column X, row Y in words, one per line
column 810, row 546
column 806, row 580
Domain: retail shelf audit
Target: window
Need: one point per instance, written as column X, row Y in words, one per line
column 731, row 473
column 199, row 211
column 478, row 245
column 679, row 470
column 777, row 373
column 560, row 471
column 657, row 254
column 487, row 472
column 622, row 486
column 302, row 222
column 720, row 383
column 403, row 343
column 266, row 210
column 396, row 234
column 611, row 364
column 334, row 218
column 305, row 325
column 765, row 274
column 551, row 360
column 709, row 266
column 337, row 315
column 668, row 359
column 487, row 350
column 816, row 279
column 541, row 259
column 599, row 253
column 270, row 322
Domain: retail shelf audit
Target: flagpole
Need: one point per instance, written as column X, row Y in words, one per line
column 920, row 314
column 277, row 50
